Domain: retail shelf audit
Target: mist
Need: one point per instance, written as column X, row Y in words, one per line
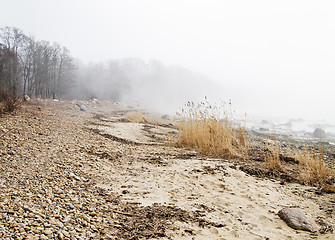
column 272, row 59
column 150, row 84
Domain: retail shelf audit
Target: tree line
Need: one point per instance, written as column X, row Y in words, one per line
column 33, row 68
column 47, row 70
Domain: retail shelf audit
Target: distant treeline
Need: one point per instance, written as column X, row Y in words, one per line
column 34, row 68
column 47, row 70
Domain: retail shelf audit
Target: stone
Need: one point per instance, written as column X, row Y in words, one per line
column 319, row 133
column 73, row 176
column 296, row 219
column 65, row 233
column 26, row 98
column 83, row 107
column 174, row 131
column 47, row 232
column 60, row 224
column 43, row 237
column 60, row 235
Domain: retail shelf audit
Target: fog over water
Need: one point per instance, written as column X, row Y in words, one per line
column 271, row 58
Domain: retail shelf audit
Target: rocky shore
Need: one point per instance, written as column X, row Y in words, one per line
column 67, row 173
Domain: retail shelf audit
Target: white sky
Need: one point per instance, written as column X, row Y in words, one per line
column 272, row 57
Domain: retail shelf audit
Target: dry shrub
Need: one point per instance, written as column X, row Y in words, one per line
column 203, row 129
column 136, row 116
column 313, row 169
column 242, row 136
column 272, row 157
column 8, row 101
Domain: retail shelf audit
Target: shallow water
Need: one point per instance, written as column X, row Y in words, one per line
column 293, row 128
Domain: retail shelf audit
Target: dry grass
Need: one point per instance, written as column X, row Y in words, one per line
column 136, row 116
column 203, row 130
column 272, row 157
column 314, row 170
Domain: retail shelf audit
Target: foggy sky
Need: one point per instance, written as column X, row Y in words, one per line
column 271, row 57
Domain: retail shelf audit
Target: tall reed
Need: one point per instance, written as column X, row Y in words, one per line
column 209, row 130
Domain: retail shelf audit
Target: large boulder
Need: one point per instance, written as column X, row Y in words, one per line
column 295, row 218
column 319, row 133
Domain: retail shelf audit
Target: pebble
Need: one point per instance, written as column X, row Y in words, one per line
column 43, row 237
column 60, row 235
column 47, row 232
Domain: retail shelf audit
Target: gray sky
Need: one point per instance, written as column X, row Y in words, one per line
column 272, row 57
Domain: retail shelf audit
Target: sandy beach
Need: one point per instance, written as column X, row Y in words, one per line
column 71, row 174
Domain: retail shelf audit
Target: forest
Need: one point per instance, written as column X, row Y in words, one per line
column 38, row 68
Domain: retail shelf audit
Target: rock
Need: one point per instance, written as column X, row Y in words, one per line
column 328, row 189
column 60, row 235
column 295, row 218
column 125, row 191
column 26, row 98
column 60, row 224
column 103, row 231
column 174, row 131
column 65, row 233
column 73, row 176
column 319, row 133
column 43, row 237
column 83, row 107
column 47, row 232
column 27, row 209
column 66, row 219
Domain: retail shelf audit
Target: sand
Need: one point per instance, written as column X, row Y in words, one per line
column 137, row 162
column 246, row 205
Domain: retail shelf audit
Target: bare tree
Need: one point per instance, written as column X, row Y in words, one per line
column 9, row 70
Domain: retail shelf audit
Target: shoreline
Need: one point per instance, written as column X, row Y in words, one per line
column 60, row 178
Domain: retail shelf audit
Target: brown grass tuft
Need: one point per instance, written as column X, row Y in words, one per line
column 136, row 116
column 272, row 157
column 203, row 130
column 314, row 170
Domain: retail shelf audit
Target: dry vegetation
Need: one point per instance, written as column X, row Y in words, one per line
column 208, row 129
column 314, row 170
column 8, row 101
column 272, row 157
column 136, row 116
